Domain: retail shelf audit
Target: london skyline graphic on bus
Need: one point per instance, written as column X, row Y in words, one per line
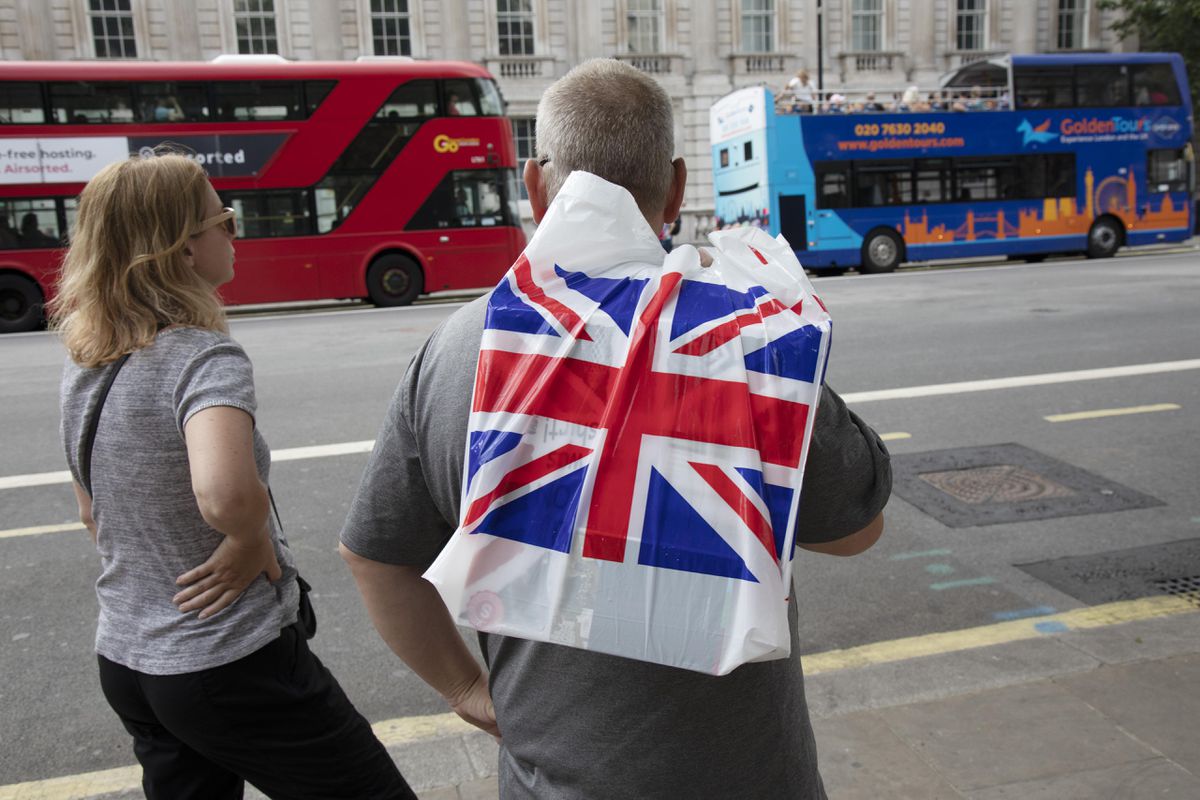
column 1076, row 154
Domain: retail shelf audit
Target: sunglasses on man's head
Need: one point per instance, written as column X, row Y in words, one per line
column 227, row 218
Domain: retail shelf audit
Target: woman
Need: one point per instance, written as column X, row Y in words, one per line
column 803, row 92
column 198, row 649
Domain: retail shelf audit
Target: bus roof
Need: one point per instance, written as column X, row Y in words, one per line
column 994, row 71
column 1070, row 59
column 153, row 71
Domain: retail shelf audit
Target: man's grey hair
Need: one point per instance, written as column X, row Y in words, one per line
column 614, row 121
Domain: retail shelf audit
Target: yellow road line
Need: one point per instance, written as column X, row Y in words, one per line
column 892, row 437
column 932, row 644
column 1111, row 412
column 37, row 530
column 395, row 732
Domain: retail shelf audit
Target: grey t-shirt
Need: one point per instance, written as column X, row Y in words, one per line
column 578, row 724
column 150, row 529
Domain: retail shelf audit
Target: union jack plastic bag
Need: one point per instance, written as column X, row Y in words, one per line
column 637, row 438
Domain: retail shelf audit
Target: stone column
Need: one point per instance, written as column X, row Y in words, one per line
column 36, row 24
column 182, row 42
column 1025, row 26
column 326, row 19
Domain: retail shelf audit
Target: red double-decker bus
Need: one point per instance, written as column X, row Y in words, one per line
column 381, row 179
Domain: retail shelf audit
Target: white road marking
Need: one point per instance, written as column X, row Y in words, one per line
column 1020, row 381
column 1110, row 412
column 963, row 387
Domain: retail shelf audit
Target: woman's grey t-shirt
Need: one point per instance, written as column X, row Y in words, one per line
column 149, row 527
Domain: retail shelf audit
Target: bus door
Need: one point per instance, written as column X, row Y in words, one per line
column 833, row 194
column 794, row 223
column 462, row 227
column 264, row 271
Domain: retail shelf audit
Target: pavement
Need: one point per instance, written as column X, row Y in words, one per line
column 1097, row 702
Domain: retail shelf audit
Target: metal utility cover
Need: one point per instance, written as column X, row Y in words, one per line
column 1172, row 568
column 968, row 486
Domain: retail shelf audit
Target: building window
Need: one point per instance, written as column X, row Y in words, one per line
column 645, row 26
column 971, row 24
column 866, row 24
column 758, row 26
column 523, row 137
column 1072, row 14
column 255, row 23
column 112, row 28
column 391, row 28
column 514, row 27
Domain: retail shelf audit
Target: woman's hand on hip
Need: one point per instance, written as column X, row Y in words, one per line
column 219, row 581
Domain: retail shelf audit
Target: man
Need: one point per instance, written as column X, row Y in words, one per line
column 578, row 724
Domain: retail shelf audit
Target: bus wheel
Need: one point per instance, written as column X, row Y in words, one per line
column 20, row 304
column 1103, row 239
column 394, row 280
column 880, row 252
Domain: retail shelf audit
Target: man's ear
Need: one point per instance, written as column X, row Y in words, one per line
column 675, row 195
column 536, row 189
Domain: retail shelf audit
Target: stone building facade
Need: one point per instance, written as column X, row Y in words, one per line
column 699, row 50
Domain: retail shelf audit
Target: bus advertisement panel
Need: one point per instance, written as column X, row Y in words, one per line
column 382, row 180
column 739, row 120
column 871, row 190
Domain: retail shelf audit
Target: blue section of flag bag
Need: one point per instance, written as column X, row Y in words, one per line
column 637, row 441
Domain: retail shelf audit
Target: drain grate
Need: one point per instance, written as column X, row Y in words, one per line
column 1171, row 568
column 1188, row 588
column 1004, row 483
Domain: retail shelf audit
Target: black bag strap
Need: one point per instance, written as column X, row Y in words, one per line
column 93, row 421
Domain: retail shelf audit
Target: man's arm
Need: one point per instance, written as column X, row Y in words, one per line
column 411, row 617
column 858, row 542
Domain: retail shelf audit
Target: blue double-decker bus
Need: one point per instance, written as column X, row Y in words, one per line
column 1016, row 156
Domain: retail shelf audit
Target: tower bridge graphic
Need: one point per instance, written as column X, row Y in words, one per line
column 1058, row 216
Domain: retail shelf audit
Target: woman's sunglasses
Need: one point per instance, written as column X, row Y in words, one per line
column 227, row 218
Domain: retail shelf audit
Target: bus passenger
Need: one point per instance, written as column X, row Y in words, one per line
column 803, row 92
column 8, row 237
column 201, row 654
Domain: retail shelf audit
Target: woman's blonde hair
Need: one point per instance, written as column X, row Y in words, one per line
column 126, row 274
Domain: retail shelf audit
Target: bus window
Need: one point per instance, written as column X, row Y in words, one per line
column 1060, row 175
column 933, row 180
column 460, row 99
column 413, row 100
column 1043, row 87
column 490, row 100
column 169, row 101
column 75, row 103
column 1102, row 85
column 1154, row 85
column 882, row 183
column 271, row 213
column 21, row 103
column 833, row 185
column 29, row 223
column 337, row 195
column 465, row 199
column 246, row 101
column 1166, row 171
column 315, row 92
column 985, row 179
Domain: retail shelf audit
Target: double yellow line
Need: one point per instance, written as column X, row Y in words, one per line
column 398, row 732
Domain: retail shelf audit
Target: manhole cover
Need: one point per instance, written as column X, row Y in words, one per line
column 1146, row 571
column 1188, row 588
column 1002, row 484
column 968, row 486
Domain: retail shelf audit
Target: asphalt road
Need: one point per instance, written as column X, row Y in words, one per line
column 326, row 378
